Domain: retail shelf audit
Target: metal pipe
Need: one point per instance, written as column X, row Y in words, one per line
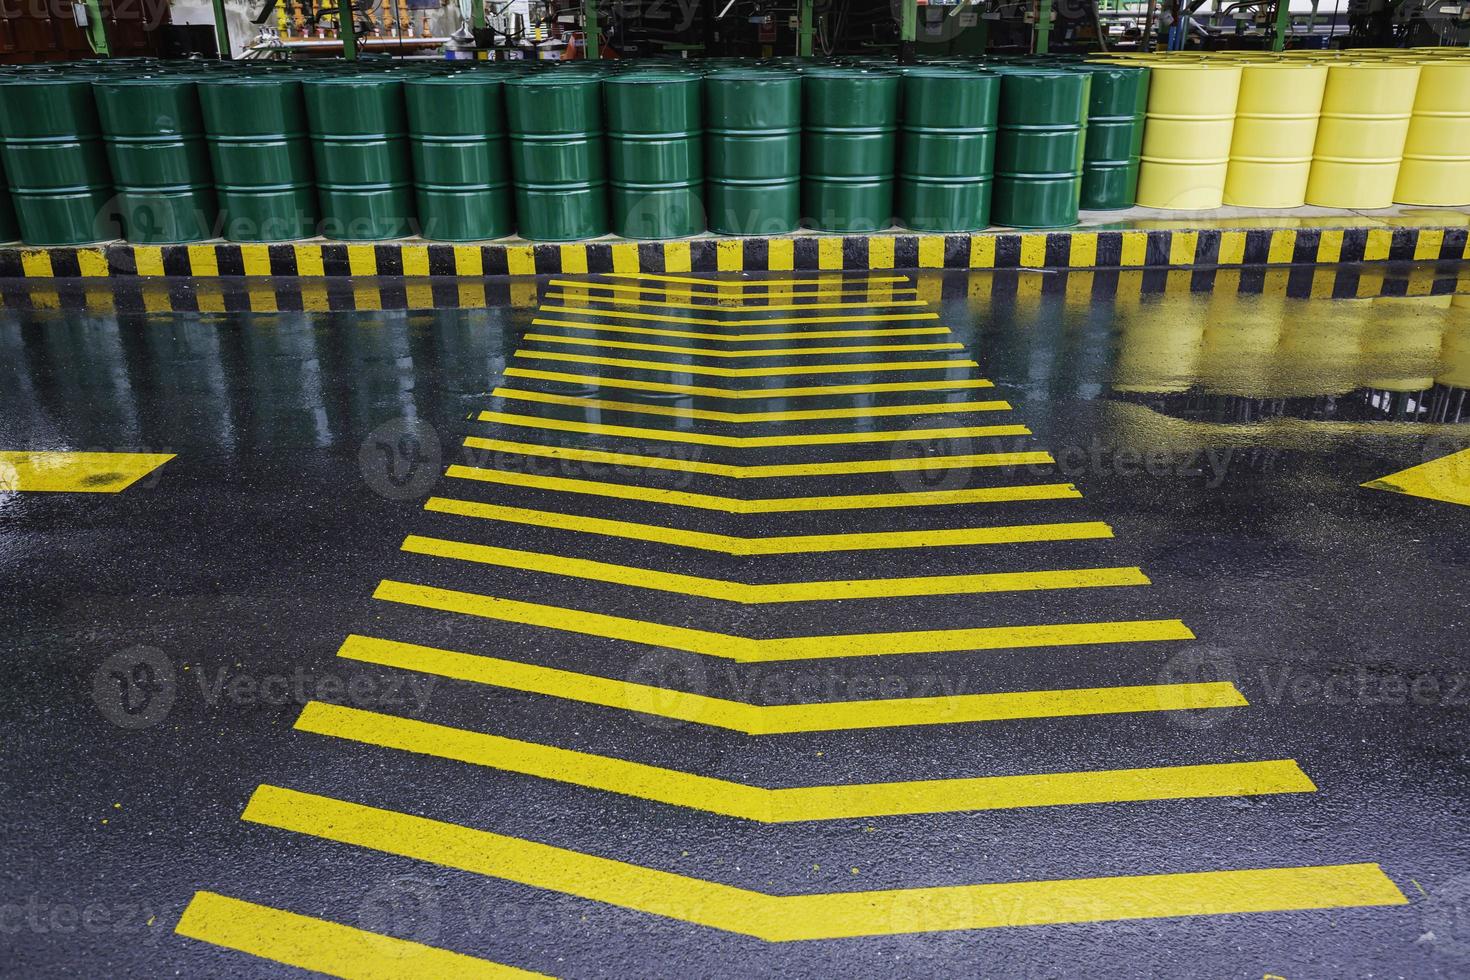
column 1042, row 29
column 908, row 31
column 589, row 27
column 221, row 30
column 1283, row 25
column 804, row 36
column 347, row 29
column 1148, row 26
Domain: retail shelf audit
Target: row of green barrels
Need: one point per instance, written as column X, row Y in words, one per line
column 556, row 155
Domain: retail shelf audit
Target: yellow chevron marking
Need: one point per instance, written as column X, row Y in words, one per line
column 548, row 338
column 733, row 338
column 619, row 300
column 670, row 367
column 741, row 592
column 774, row 321
column 756, row 283
column 768, row 505
column 743, row 649
column 781, row 918
column 725, row 294
column 796, row 804
column 749, row 442
column 776, row 545
column 633, row 384
column 900, row 464
column 710, row 415
column 326, row 947
column 786, row 719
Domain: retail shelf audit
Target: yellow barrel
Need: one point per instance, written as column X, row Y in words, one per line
column 1275, row 132
column 1186, row 140
column 1402, row 350
column 1360, row 141
column 1436, row 169
column 1454, row 354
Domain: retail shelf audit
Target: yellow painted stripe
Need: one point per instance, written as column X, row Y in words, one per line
column 670, row 367
column 148, row 260
column 687, row 351
column 705, row 321
column 754, row 283
column 796, row 804
column 747, row 594
column 894, row 465
column 326, row 947
column 719, row 308
column 724, row 292
column 255, row 259
column 670, row 411
column 633, row 384
column 744, row 649
column 68, row 472
column 768, row 505
column 36, row 264
column 750, row 442
column 785, row 719
column 769, row 545
column 782, row 918
column 728, row 338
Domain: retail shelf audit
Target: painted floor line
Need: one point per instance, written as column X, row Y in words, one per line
column 749, row 650
column 799, row 391
column 767, row 505
column 1446, row 479
column 46, row 471
column 327, row 947
column 899, row 464
column 849, row 438
column 834, row 278
column 786, row 719
column 805, row 803
column 715, row 371
column 739, row 338
column 685, row 350
column 741, row 418
column 707, row 321
column 784, row 918
column 748, row 594
column 656, row 304
column 880, row 290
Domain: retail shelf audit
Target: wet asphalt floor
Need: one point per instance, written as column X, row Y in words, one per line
column 1281, row 650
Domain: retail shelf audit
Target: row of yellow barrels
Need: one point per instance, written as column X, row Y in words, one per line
column 1358, row 131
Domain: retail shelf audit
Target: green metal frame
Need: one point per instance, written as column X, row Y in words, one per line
column 221, row 30
column 1043, row 26
column 804, row 36
column 590, row 28
column 1283, row 25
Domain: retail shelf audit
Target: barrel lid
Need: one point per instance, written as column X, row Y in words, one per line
column 654, row 76
column 554, row 78
column 753, row 75
column 460, row 78
column 949, row 71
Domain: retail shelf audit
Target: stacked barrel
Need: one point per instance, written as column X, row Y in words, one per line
column 850, row 126
column 1116, row 108
column 1186, row 140
column 556, row 152
column 1360, row 140
column 359, row 146
column 461, row 171
column 1436, row 168
column 655, row 135
column 1038, row 162
column 947, row 158
column 753, row 151
column 1274, row 135
column 260, row 153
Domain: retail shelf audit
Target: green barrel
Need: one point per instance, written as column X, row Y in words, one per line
column 655, row 153
column 752, row 151
column 258, row 148
column 1115, row 114
column 9, row 230
column 556, row 154
column 850, row 126
column 1038, row 157
column 154, row 134
column 359, row 146
column 51, row 149
column 948, row 149
column 456, row 130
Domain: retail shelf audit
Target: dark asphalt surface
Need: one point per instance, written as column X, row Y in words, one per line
column 1223, row 436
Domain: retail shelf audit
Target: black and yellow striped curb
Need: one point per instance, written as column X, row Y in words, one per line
column 1126, row 249
column 1077, row 287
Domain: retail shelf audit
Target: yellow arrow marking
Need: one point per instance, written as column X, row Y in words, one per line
column 744, row 649
column 707, row 321
column 733, row 338
column 711, row 306
column 899, row 464
column 786, row 719
column 750, row 442
column 633, row 384
column 752, row 283
column 67, row 472
column 732, row 799
column 1446, row 478
column 741, row 592
column 780, row 918
column 669, row 367
column 548, row 338
column 326, row 947
column 725, row 294
column 769, row 505
column 710, row 415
